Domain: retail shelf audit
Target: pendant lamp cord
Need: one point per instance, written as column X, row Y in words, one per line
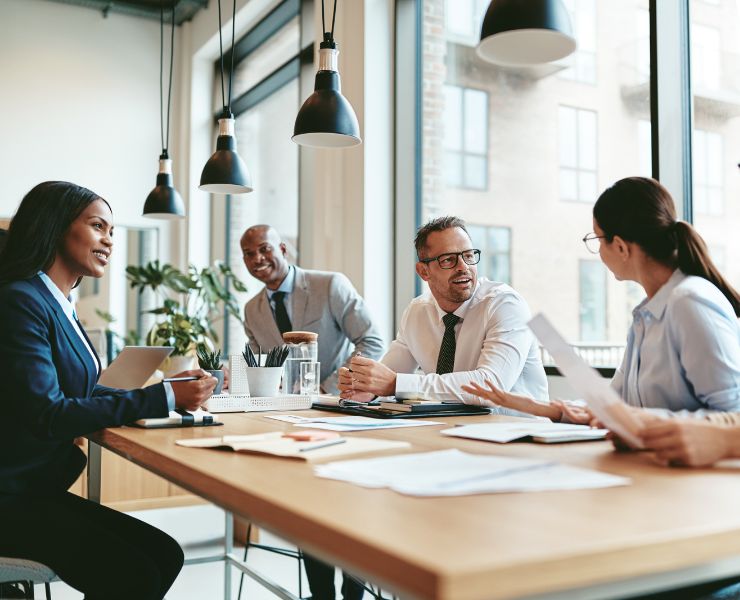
column 165, row 140
column 227, row 107
column 333, row 20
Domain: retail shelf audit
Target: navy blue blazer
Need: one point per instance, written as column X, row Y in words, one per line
column 49, row 393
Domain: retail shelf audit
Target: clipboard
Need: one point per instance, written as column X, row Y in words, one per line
column 436, row 410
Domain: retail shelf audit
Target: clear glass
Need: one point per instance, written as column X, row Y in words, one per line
column 298, row 355
column 715, row 147
column 522, row 154
column 310, row 378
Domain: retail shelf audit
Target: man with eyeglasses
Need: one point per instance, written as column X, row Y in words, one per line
column 462, row 330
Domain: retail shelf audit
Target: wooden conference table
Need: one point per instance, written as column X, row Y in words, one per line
column 669, row 527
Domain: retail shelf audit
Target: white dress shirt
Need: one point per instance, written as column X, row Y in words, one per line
column 492, row 342
column 683, row 350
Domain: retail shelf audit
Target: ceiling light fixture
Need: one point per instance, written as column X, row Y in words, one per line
column 225, row 172
column 163, row 202
column 525, row 32
column 327, row 119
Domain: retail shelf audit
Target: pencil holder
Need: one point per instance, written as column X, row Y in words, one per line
column 264, row 381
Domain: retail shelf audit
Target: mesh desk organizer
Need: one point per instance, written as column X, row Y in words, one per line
column 240, row 400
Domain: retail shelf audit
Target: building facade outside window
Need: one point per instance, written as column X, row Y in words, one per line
column 578, row 148
column 582, row 63
column 495, row 246
column 592, row 300
column 543, row 146
column 715, row 145
column 466, row 137
column 708, row 161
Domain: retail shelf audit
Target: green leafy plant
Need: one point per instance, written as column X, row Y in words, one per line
column 210, row 361
column 191, row 302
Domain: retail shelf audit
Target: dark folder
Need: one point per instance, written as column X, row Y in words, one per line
column 373, row 409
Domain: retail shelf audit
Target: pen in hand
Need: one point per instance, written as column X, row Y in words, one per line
column 177, row 379
column 322, row 445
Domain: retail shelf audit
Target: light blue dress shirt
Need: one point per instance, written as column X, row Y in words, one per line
column 287, row 287
column 683, row 350
column 69, row 312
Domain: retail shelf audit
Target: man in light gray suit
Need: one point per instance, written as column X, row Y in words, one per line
column 296, row 299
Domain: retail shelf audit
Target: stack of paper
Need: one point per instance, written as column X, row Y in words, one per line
column 538, row 431
column 456, row 473
column 349, row 423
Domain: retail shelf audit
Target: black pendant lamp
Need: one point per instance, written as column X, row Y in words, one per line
column 163, row 202
column 525, row 32
column 225, row 172
column 327, row 119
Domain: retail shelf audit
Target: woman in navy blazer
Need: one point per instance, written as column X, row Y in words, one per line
column 49, row 396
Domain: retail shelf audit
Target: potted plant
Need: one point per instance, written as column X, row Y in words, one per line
column 211, row 362
column 191, row 304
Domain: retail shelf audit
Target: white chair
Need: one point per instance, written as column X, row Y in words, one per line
column 26, row 572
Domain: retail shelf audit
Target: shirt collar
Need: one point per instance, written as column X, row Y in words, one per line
column 657, row 304
column 461, row 310
column 64, row 302
column 286, row 286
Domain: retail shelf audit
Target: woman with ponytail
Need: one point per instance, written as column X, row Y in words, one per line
column 683, row 349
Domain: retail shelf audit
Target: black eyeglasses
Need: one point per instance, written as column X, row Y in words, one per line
column 592, row 242
column 449, row 259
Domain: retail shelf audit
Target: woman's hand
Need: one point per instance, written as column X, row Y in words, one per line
column 191, row 394
column 492, row 396
column 688, row 442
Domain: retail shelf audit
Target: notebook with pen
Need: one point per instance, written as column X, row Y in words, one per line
column 179, row 418
column 390, row 408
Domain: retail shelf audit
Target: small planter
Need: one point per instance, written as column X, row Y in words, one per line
column 177, row 364
column 218, row 374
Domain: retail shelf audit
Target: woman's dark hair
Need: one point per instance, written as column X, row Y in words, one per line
column 641, row 210
column 38, row 227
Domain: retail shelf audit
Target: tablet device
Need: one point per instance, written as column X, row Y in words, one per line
column 133, row 367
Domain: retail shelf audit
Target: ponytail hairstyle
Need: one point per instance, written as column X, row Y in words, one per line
column 641, row 210
column 38, row 228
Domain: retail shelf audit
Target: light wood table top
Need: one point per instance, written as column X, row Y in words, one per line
column 471, row 547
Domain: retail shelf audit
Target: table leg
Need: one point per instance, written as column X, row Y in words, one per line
column 228, row 549
column 94, row 458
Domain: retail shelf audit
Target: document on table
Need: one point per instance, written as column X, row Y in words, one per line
column 601, row 398
column 539, row 431
column 276, row 444
column 350, row 423
column 456, row 473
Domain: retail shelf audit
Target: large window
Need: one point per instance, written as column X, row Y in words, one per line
column 582, row 63
column 715, row 144
column 466, row 137
column 495, row 246
column 592, row 300
column 547, row 140
column 708, row 162
column 266, row 87
column 577, row 134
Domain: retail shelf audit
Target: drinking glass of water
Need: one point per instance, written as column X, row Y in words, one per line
column 310, row 378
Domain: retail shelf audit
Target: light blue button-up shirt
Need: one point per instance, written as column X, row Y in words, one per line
column 287, row 287
column 683, row 349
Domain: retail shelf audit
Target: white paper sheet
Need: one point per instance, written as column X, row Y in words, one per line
column 350, row 423
column 510, row 431
column 601, row 399
column 456, row 473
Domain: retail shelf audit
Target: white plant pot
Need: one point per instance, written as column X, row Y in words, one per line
column 172, row 365
column 264, row 381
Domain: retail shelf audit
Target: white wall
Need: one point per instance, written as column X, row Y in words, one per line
column 79, row 102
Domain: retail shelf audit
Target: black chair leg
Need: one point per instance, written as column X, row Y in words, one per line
column 47, row 587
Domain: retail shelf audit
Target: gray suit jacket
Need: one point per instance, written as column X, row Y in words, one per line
column 325, row 303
